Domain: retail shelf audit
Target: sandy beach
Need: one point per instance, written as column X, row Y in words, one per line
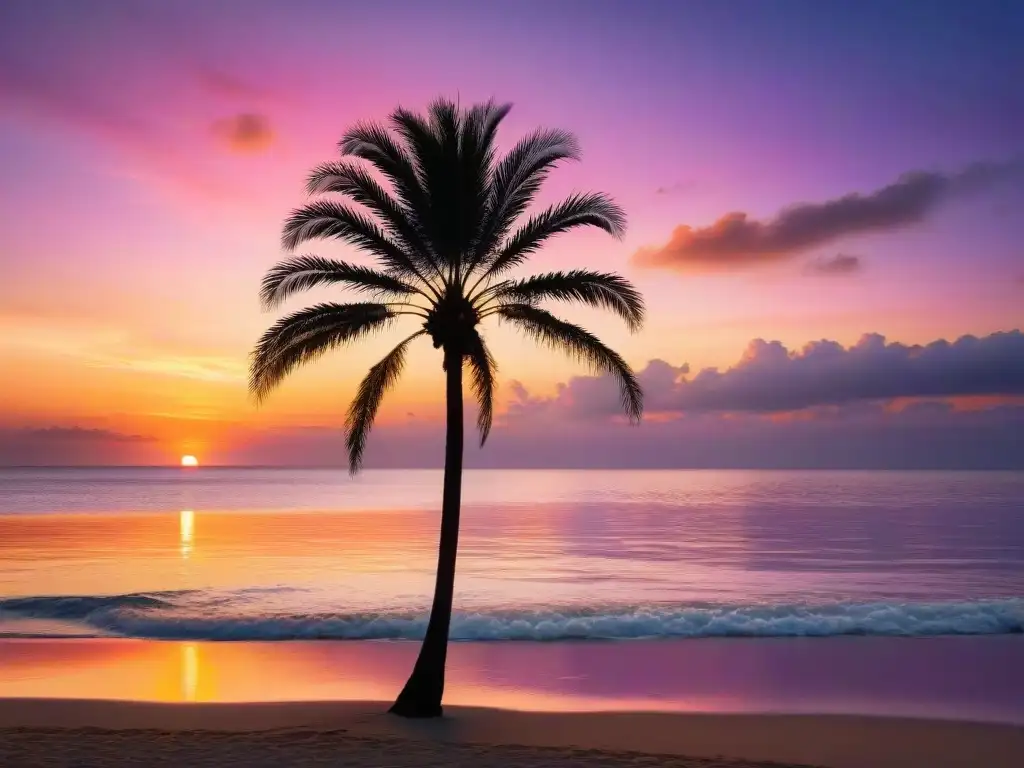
column 50, row 732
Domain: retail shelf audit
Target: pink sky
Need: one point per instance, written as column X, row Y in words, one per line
column 152, row 150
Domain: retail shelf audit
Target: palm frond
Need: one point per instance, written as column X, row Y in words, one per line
column 597, row 289
column 301, row 273
column 436, row 159
column 372, row 389
column 323, row 219
column 547, row 329
column 451, row 206
column 476, row 163
column 304, row 336
column 372, row 142
column 516, row 180
column 446, row 144
column 422, row 142
column 400, row 220
column 484, row 119
column 445, row 122
column 483, row 369
column 580, row 210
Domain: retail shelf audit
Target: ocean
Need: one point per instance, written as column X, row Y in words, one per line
column 275, row 554
column 790, row 591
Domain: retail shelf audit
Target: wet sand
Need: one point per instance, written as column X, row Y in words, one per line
column 54, row 732
column 942, row 678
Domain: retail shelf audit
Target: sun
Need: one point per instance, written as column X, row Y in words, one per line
column 188, row 460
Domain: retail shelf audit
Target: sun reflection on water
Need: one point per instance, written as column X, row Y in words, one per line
column 186, row 526
column 189, row 671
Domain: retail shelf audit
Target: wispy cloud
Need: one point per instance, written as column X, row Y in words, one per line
column 83, row 434
column 832, row 266
column 678, row 188
column 736, row 240
column 115, row 348
column 153, row 116
column 219, row 82
column 203, row 368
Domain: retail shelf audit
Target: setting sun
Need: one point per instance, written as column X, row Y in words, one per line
column 189, row 461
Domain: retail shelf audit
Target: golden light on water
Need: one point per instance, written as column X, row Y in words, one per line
column 186, row 530
column 188, row 460
column 189, row 671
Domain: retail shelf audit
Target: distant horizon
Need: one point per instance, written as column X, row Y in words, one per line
column 344, row 468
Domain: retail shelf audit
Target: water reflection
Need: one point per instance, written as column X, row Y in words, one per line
column 680, row 537
column 186, row 529
column 981, row 679
column 189, row 671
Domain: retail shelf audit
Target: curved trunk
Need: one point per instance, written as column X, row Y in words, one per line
column 421, row 696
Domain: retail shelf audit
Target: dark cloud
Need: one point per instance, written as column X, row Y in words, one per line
column 825, row 406
column 736, row 240
column 245, row 132
column 840, row 264
column 771, row 379
column 76, row 446
column 543, row 432
column 856, row 436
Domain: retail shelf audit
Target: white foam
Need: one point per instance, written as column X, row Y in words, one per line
column 174, row 616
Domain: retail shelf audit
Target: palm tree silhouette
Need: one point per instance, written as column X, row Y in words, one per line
column 447, row 231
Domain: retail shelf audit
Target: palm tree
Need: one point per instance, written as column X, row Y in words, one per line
column 447, row 225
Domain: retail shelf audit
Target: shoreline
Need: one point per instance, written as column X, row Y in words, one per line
column 60, row 731
column 948, row 679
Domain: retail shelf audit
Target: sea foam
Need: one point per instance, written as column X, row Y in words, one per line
column 180, row 616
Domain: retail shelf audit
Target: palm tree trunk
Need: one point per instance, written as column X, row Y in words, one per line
column 421, row 696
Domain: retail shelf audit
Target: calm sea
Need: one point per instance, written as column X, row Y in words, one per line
column 233, row 554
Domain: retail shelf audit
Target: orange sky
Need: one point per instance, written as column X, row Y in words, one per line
column 129, row 298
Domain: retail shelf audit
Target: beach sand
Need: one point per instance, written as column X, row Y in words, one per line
column 54, row 732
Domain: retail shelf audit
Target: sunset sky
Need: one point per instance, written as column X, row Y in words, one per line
column 822, row 199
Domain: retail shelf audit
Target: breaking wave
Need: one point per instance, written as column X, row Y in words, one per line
column 180, row 616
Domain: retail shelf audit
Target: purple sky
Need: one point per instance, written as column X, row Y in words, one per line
column 792, row 172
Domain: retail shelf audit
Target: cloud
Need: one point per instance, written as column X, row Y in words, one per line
column 679, row 188
column 201, row 367
column 863, row 436
column 736, row 240
column 224, row 84
column 926, row 435
column 872, row 405
column 27, row 89
column 156, row 122
column 114, row 347
column 244, row 132
column 771, row 379
column 76, row 446
column 74, row 103
column 82, row 434
column 831, row 266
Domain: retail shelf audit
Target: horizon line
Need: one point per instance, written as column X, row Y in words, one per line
column 343, row 468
